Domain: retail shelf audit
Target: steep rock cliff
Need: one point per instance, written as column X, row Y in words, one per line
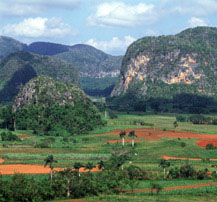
column 169, row 65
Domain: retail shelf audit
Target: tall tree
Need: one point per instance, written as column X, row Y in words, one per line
column 122, row 136
column 164, row 164
column 77, row 166
column 49, row 161
column 133, row 135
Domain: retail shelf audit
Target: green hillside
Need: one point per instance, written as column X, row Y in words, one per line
column 19, row 67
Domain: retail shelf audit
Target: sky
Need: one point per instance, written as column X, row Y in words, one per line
column 110, row 26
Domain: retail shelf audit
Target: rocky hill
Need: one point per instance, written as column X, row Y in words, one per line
column 54, row 108
column 165, row 66
column 19, row 67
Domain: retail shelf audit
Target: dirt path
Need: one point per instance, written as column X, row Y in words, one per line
column 176, row 187
column 1, row 160
column 149, row 190
column 182, row 158
column 31, row 169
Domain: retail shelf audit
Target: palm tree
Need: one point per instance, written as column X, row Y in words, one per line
column 122, row 135
column 67, row 174
column 77, row 166
column 101, row 164
column 49, row 161
column 132, row 134
column 164, row 164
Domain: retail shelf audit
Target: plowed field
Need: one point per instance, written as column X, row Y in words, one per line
column 145, row 134
column 31, row 169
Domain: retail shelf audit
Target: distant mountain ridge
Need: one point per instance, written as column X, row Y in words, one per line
column 90, row 61
column 8, row 45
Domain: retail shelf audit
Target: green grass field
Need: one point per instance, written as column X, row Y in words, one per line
column 91, row 148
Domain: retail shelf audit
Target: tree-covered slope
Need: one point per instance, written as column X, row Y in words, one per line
column 8, row 45
column 47, row 48
column 165, row 66
column 92, row 62
column 19, row 67
column 53, row 108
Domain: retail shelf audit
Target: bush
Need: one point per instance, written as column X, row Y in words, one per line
column 210, row 146
column 180, row 118
column 112, row 115
column 42, row 145
column 187, row 171
column 155, row 186
column 199, row 119
column 183, row 144
column 9, row 136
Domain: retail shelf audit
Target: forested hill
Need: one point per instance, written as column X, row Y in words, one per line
column 19, row 67
column 165, row 66
column 91, row 62
column 8, row 45
column 52, row 108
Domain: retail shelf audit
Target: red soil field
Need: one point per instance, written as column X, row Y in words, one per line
column 24, row 136
column 145, row 134
column 182, row 158
column 31, row 169
column 204, row 142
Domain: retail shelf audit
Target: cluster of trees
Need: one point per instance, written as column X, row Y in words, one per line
column 197, row 119
column 131, row 134
column 70, row 183
column 53, row 119
column 187, row 103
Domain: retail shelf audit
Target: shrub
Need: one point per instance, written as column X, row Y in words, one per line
column 199, row 119
column 42, row 145
column 180, row 118
column 112, row 115
column 210, row 146
column 155, row 186
column 183, row 144
column 187, row 171
column 9, row 136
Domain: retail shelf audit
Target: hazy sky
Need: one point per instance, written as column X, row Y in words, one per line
column 108, row 25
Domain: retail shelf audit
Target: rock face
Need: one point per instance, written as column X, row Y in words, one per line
column 168, row 65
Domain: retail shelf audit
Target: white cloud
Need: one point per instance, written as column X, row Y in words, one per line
column 114, row 45
column 196, row 7
column 121, row 14
column 37, row 27
column 194, row 22
column 29, row 7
